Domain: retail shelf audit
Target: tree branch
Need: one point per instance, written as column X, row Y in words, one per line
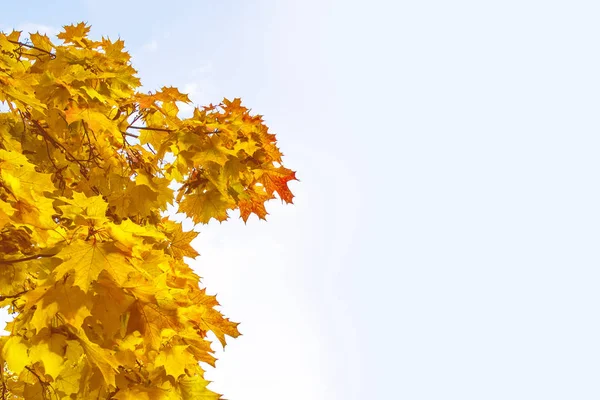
column 150, row 129
column 33, row 48
column 68, row 155
column 12, row 296
column 18, row 260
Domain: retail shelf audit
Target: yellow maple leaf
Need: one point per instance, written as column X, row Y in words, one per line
column 87, row 259
column 69, row 380
column 41, row 42
column 180, row 243
column 150, row 319
column 74, row 33
column 15, row 353
column 205, row 205
column 47, row 301
column 93, row 207
column 110, row 305
column 203, row 313
column 195, row 388
column 175, row 360
column 102, row 359
column 49, row 349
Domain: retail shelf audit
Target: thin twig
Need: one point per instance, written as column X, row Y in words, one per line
column 150, row 129
column 33, row 47
column 68, row 155
column 12, row 296
column 18, row 260
column 43, row 384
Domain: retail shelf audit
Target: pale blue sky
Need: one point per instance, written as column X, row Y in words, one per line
column 444, row 240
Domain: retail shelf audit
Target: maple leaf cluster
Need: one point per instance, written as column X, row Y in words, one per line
column 93, row 271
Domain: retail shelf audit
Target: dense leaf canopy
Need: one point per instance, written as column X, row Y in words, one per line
column 91, row 266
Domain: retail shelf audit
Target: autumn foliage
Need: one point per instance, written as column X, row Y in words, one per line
column 91, row 266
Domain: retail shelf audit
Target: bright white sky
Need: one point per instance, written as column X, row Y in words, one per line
column 444, row 240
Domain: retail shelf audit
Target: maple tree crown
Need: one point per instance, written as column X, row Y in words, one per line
column 94, row 272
